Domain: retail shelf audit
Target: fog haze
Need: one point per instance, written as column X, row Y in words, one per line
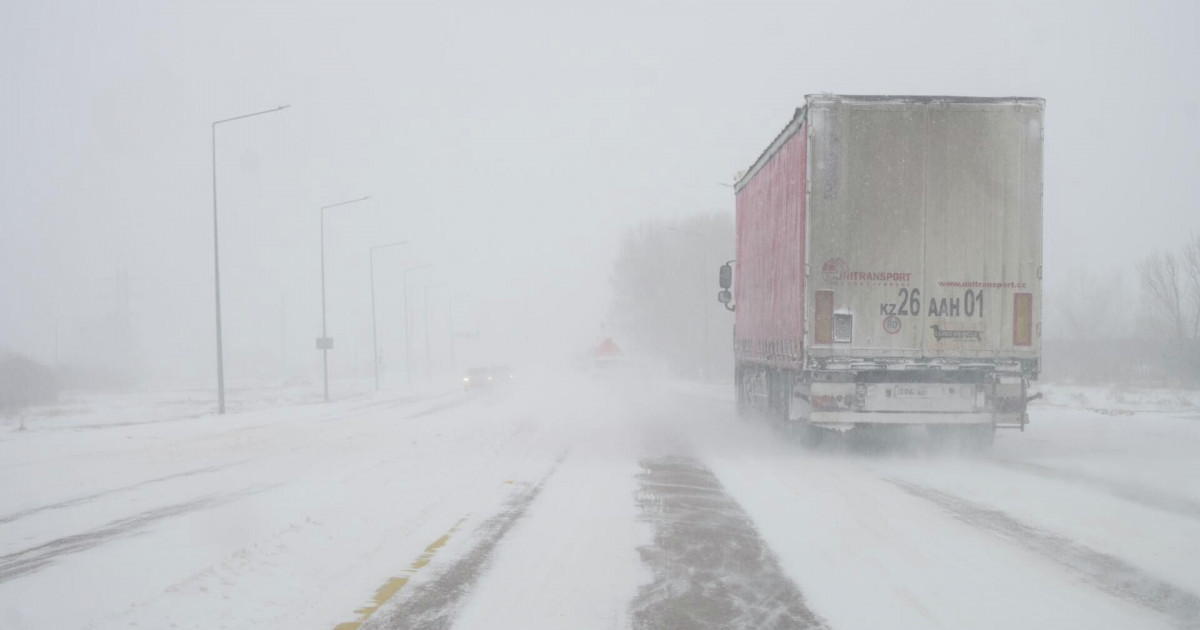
column 512, row 145
column 570, row 384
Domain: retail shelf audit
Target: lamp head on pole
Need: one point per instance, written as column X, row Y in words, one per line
column 343, row 203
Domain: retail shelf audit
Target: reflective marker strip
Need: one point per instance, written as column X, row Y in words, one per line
column 1022, row 319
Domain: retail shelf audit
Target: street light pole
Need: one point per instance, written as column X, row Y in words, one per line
column 374, row 330
column 450, row 325
column 407, row 328
column 325, row 343
column 217, row 256
column 428, row 355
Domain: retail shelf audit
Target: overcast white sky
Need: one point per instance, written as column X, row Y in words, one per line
column 511, row 143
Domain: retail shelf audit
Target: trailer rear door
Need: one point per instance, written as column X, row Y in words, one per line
column 925, row 227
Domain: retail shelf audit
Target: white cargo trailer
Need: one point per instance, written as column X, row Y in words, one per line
column 889, row 263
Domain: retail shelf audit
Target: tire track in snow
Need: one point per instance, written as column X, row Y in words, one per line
column 211, row 469
column 1107, row 573
column 434, row 604
column 30, row 560
column 1132, row 492
column 233, row 410
column 92, row 497
column 711, row 569
column 439, row 408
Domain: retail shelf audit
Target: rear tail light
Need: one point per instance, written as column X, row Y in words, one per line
column 823, row 330
column 1023, row 319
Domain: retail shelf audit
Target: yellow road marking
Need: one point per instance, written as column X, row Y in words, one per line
column 393, row 585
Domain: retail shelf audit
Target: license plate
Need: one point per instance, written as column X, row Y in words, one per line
column 917, row 391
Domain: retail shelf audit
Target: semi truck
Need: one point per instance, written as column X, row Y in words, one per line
column 888, row 266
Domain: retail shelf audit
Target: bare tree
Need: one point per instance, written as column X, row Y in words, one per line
column 1190, row 262
column 1171, row 290
column 1171, row 307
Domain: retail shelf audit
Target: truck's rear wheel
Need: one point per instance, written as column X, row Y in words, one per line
column 983, row 436
column 741, row 396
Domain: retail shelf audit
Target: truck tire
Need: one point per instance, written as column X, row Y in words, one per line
column 741, row 397
column 982, row 437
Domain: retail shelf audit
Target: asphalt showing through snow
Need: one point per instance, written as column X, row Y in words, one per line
column 433, row 605
column 708, row 566
column 390, row 588
column 711, row 569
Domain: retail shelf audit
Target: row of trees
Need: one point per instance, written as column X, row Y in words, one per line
column 665, row 294
column 1171, row 284
column 24, row 382
column 1101, row 332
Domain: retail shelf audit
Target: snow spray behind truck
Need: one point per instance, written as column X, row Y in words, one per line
column 889, row 265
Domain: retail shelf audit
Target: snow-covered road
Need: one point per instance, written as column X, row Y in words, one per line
column 572, row 503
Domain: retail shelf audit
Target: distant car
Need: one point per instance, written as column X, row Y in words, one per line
column 477, row 379
column 503, row 375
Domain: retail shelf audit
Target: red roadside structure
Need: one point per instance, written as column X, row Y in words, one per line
column 608, row 350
